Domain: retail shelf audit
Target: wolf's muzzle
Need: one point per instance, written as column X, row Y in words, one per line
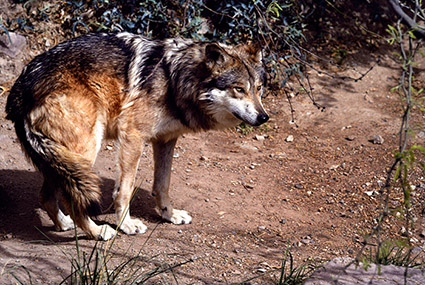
column 262, row 118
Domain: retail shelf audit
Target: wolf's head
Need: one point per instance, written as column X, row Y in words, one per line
column 234, row 90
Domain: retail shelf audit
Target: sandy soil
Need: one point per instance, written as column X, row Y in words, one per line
column 251, row 196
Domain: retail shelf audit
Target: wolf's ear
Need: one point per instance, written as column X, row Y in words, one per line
column 214, row 54
column 254, row 52
column 258, row 54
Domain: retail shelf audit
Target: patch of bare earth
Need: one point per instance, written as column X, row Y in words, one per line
column 251, row 196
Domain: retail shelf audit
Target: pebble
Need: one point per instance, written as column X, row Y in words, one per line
column 261, row 227
column 289, row 138
column 299, row 186
column 416, row 249
column 350, row 138
column 259, row 138
column 248, row 186
column 377, row 139
column 307, row 241
column 282, row 221
column 12, row 44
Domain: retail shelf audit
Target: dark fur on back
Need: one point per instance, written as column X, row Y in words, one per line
column 43, row 74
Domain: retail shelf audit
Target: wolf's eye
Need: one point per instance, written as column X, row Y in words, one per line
column 239, row 89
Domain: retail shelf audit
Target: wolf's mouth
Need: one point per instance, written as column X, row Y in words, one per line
column 237, row 116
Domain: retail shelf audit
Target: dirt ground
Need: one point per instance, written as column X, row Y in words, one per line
column 250, row 195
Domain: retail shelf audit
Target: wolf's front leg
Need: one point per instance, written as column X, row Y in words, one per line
column 130, row 151
column 163, row 156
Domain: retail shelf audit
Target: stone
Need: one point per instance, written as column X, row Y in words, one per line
column 337, row 271
column 12, row 44
column 259, row 138
column 377, row 139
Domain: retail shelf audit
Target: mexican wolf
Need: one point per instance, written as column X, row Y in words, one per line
column 134, row 90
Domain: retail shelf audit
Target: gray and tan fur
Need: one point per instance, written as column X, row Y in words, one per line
column 131, row 89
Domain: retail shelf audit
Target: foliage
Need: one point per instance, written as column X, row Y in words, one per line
column 289, row 274
column 276, row 25
column 408, row 156
column 398, row 253
column 95, row 268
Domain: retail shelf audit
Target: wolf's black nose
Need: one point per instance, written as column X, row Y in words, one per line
column 262, row 118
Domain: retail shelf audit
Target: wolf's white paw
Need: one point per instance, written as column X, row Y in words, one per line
column 178, row 217
column 65, row 223
column 106, row 233
column 133, row 226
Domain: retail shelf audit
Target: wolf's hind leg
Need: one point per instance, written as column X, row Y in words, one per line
column 49, row 203
column 130, row 152
column 163, row 156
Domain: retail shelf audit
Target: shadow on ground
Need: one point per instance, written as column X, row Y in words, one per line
column 21, row 216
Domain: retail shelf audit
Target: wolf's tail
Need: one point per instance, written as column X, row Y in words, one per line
column 69, row 171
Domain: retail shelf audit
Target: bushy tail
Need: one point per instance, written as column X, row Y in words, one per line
column 64, row 169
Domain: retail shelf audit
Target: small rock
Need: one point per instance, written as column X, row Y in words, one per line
column 282, row 221
column 350, row 138
column 261, row 227
column 299, row 186
column 12, row 44
column 259, row 138
column 248, row 186
column 289, row 138
column 414, row 240
column 404, row 232
column 307, row 241
column 176, row 155
column 377, row 139
column 416, row 249
column 204, row 158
